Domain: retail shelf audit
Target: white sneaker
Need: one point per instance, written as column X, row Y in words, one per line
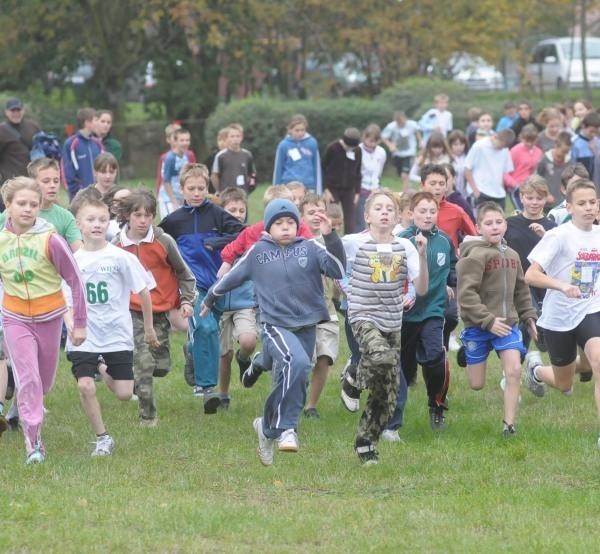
column 265, row 445
column 288, row 441
column 453, row 344
column 391, row 435
column 533, row 360
column 37, row 456
column 104, row 446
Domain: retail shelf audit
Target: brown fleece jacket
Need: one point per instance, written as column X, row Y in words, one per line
column 491, row 284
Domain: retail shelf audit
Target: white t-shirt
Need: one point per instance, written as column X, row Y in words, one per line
column 109, row 275
column 371, row 167
column 405, row 137
column 572, row 256
column 489, row 164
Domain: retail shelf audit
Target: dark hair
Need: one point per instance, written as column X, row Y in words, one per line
column 488, row 207
column 529, row 133
column 432, row 169
column 591, row 119
column 564, row 137
column 422, row 195
column 233, row 194
column 139, row 199
column 506, row 136
column 457, row 136
column 83, row 115
column 570, row 171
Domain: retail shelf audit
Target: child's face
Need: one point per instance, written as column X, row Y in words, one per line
column 589, row 131
column 524, row 111
column 497, row 143
column 237, row 208
column 485, row 122
column 436, row 151
column 182, row 143
column 298, row 131
column 234, row 139
column 492, row 227
column 583, row 207
column 103, row 124
column 580, row 110
column 194, row 191
column 139, row 222
column 381, row 215
column 425, row 214
column 436, row 185
column 93, row 223
column 457, row 148
column 310, row 216
column 283, row 230
column 533, row 204
column 106, row 177
column 337, row 223
column 553, row 127
column 561, row 150
column 510, row 112
column 441, row 104
column 405, row 217
column 24, row 208
column 370, row 143
column 49, row 181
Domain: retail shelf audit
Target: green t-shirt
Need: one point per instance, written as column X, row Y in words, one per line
column 62, row 219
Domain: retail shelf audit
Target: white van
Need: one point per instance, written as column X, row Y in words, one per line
column 556, row 62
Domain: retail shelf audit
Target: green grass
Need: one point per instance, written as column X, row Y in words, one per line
column 195, row 484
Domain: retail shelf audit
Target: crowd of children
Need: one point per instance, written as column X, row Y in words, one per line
column 406, row 269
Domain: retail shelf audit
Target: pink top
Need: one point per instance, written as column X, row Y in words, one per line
column 525, row 161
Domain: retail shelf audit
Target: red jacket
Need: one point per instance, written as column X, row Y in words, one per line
column 249, row 236
column 452, row 219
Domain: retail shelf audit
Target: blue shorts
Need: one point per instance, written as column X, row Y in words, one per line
column 479, row 343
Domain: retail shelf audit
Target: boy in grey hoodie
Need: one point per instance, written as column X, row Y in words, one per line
column 286, row 271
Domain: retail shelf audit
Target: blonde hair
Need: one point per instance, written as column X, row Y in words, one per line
column 402, row 199
column 12, row 186
column 41, row 164
column 170, row 129
column 223, row 133
column 381, row 192
column 236, row 127
column 572, row 187
column 296, row 185
column 535, row 184
column 190, row 171
column 297, row 119
column 277, row 191
column 334, row 210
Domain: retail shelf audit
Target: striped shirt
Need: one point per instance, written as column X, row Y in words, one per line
column 378, row 279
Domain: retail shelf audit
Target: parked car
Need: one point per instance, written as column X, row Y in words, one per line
column 473, row 72
column 556, row 62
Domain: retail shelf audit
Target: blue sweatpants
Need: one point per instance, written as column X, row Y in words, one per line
column 203, row 336
column 289, row 354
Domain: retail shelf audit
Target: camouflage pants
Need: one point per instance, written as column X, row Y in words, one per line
column 378, row 371
column 149, row 362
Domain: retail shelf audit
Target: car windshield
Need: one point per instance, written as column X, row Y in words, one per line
column 592, row 49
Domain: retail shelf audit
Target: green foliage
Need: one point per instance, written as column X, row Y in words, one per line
column 265, row 121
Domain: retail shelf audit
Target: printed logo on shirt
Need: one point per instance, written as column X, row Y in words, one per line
column 441, row 258
column 279, row 254
column 585, row 273
column 302, row 261
column 386, row 267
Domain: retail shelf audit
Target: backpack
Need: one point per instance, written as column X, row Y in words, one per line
column 45, row 145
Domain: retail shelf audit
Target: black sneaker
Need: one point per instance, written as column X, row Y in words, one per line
column 508, row 430
column 437, row 421
column 585, row 376
column 251, row 375
column 212, row 401
column 461, row 357
column 244, row 364
column 311, row 413
column 365, row 450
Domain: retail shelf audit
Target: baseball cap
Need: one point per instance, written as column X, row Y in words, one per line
column 14, row 104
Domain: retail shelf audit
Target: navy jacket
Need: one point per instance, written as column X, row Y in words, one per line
column 192, row 229
column 287, row 279
column 79, row 153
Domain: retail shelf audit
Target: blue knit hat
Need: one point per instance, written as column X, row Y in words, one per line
column 280, row 207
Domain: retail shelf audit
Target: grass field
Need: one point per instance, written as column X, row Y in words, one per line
column 194, row 484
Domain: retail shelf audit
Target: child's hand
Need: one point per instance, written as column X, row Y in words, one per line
column 450, row 293
column 225, row 267
column 532, row 328
column 77, row 335
column 421, row 243
column 186, row 310
column 325, row 224
column 408, row 302
column 537, row 229
column 570, row 291
column 500, row 328
column 204, row 310
column 151, row 338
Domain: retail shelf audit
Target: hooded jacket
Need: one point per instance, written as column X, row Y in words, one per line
column 491, row 284
column 298, row 160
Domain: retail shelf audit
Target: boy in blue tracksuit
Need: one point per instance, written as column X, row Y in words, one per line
column 200, row 229
column 297, row 157
column 286, row 271
column 79, row 153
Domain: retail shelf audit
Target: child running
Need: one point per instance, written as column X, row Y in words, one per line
column 175, row 287
column 109, row 274
column 34, row 260
column 382, row 265
column 286, row 270
column 492, row 298
column 566, row 263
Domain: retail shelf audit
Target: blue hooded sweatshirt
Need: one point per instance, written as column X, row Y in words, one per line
column 298, row 160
